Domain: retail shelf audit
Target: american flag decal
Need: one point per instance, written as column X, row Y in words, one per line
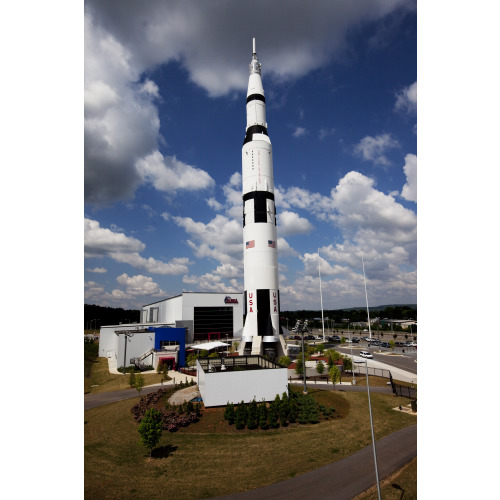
column 250, row 244
column 271, row 244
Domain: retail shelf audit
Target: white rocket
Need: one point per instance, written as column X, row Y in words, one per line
column 262, row 332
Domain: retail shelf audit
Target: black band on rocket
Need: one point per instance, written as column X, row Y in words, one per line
column 256, row 97
column 254, row 129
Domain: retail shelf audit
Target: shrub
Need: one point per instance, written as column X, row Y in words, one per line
column 284, row 410
column 241, row 416
column 253, row 415
column 273, row 415
column 229, row 413
column 131, row 379
column 263, row 416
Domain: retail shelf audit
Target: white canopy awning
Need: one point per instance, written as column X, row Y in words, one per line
column 209, row 345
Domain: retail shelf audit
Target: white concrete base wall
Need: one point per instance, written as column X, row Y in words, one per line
column 217, row 389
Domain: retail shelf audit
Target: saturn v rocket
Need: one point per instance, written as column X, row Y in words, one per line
column 262, row 333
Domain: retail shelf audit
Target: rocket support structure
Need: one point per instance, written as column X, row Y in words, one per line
column 262, row 333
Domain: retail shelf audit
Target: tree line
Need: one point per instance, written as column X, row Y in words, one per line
column 96, row 316
column 402, row 312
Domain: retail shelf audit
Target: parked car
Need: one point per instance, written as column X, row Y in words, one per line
column 296, row 337
column 355, row 340
column 366, row 354
column 335, row 338
column 385, row 344
column 309, row 337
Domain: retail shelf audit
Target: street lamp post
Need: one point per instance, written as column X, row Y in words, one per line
column 125, row 336
column 371, row 426
column 352, row 358
column 321, row 297
column 304, row 365
column 366, row 295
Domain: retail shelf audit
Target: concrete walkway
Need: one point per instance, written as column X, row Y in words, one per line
column 344, row 479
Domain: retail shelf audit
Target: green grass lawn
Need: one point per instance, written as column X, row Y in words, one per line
column 210, row 459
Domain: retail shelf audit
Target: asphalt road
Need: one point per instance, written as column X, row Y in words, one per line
column 404, row 361
column 103, row 398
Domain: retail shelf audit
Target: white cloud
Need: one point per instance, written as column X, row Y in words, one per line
column 406, row 99
column 214, row 204
column 140, row 285
column 98, row 270
column 409, row 191
column 149, row 87
column 290, row 223
column 299, row 132
column 102, row 242
column 285, row 250
column 168, row 174
column 122, row 125
column 219, row 239
column 374, row 148
column 326, row 132
column 211, row 283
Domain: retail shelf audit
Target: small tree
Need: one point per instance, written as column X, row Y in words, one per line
column 392, row 345
column 320, row 367
column 236, row 345
column 131, row 379
column 191, row 359
column 347, row 362
column 321, row 348
column 334, row 375
column 285, row 361
column 299, row 366
column 151, row 428
column 139, row 382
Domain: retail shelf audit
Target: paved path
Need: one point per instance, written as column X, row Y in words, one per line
column 344, row 479
column 103, row 398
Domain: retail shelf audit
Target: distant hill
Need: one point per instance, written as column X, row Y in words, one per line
column 380, row 308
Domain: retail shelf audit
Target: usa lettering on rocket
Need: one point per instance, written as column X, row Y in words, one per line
column 262, row 333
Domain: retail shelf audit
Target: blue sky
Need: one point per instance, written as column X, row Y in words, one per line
column 165, row 89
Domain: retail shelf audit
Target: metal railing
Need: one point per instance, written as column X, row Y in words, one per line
column 250, row 362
